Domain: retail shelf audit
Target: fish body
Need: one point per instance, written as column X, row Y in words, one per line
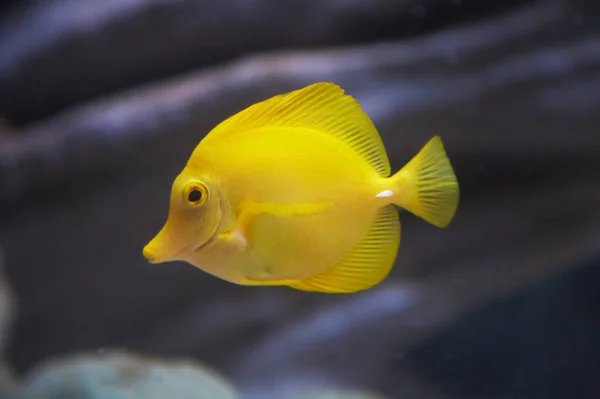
column 296, row 191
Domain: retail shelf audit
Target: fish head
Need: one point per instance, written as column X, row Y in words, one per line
column 193, row 221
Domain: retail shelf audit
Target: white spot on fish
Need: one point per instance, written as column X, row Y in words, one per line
column 385, row 193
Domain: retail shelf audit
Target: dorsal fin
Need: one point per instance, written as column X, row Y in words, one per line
column 321, row 106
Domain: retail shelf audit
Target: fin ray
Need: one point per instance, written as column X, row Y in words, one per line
column 321, row 106
column 427, row 186
column 367, row 264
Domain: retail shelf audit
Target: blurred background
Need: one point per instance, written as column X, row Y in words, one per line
column 102, row 102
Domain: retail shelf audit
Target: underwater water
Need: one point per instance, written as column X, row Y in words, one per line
column 102, row 103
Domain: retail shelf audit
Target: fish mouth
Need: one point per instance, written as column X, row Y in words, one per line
column 155, row 257
column 185, row 252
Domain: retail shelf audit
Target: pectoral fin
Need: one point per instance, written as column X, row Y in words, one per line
column 235, row 238
column 238, row 234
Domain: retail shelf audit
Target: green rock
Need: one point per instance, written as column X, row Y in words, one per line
column 123, row 376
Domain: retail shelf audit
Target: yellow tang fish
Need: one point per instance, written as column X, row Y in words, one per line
column 296, row 191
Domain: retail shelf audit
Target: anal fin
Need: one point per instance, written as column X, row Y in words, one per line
column 367, row 264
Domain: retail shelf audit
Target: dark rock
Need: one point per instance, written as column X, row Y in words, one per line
column 56, row 53
column 123, row 376
column 540, row 344
column 8, row 306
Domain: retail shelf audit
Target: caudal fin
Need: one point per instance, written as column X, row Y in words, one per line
column 427, row 186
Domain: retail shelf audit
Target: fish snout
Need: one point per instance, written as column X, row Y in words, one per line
column 151, row 254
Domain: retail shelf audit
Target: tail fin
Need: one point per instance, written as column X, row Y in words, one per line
column 427, row 186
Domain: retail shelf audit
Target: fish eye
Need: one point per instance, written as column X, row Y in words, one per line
column 196, row 194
